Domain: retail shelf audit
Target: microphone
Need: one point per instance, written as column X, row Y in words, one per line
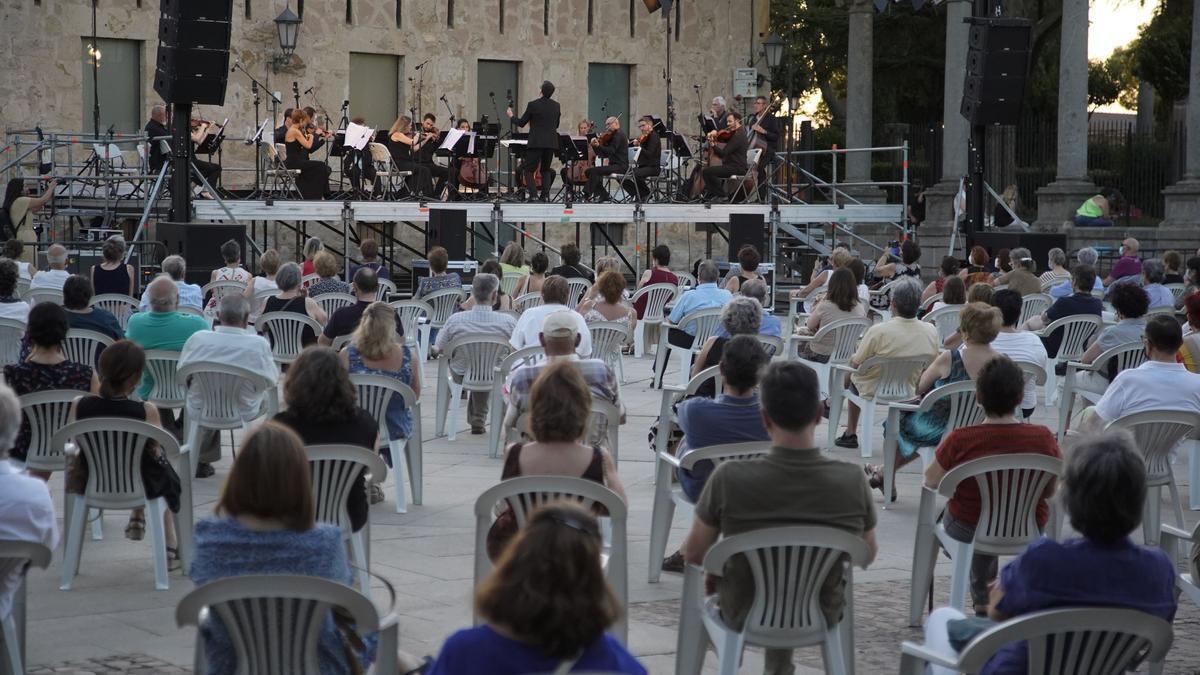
column 295, row 87
column 443, row 98
column 696, row 87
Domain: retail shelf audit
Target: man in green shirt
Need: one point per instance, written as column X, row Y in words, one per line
column 795, row 484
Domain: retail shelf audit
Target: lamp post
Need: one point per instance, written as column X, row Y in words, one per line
column 288, row 26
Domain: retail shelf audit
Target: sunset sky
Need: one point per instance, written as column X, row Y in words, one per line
column 1115, row 23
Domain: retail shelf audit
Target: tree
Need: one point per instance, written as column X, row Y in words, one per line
column 1163, row 47
column 1110, row 81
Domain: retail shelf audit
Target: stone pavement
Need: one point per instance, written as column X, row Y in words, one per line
column 114, row 618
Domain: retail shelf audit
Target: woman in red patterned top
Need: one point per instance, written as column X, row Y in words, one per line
column 659, row 274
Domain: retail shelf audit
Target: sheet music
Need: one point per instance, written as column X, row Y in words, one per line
column 357, row 136
column 452, row 136
column 514, row 141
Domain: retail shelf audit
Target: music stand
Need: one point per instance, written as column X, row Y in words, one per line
column 681, row 151
column 657, row 125
column 212, row 142
column 571, row 149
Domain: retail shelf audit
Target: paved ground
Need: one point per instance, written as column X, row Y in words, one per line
column 115, row 622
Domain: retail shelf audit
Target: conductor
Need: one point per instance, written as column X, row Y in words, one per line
column 542, row 116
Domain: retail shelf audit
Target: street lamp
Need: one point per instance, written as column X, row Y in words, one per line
column 288, row 25
column 773, row 50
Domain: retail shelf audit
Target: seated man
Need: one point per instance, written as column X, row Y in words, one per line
column 559, row 337
column 1084, row 256
column 1129, row 265
column 175, row 267
column 231, row 344
column 480, row 319
column 1105, row 489
column 555, row 292
column 1153, row 274
column 757, row 289
column 53, row 278
column 77, row 296
column 1083, row 278
column 796, row 484
column 706, row 295
column 998, row 388
column 1129, row 303
column 345, row 319
column 902, row 336
column 11, row 306
column 1160, row 383
column 28, row 510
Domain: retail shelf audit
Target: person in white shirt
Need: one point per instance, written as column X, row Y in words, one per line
column 555, row 291
column 231, row 344
column 26, row 509
column 190, row 295
column 1160, row 383
column 1019, row 345
column 11, row 307
column 14, row 250
column 56, row 276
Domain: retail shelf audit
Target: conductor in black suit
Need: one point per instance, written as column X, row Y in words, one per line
column 648, row 161
column 733, row 157
column 542, row 116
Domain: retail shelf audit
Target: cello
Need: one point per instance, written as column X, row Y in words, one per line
column 711, row 158
column 578, row 171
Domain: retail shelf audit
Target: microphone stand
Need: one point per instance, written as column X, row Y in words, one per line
column 449, row 111
column 255, row 85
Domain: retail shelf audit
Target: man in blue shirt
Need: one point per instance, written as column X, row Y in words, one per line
column 757, row 289
column 705, row 295
column 189, row 294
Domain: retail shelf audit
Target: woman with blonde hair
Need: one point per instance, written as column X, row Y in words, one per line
column 840, row 258
column 512, row 260
column 373, row 350
column 1001, row 216
column 312, row 247
column 403, row 144
column 327, row 270
column 268, row 265
column 979, row 325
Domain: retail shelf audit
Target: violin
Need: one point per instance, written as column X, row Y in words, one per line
column 196, row 122
column 723, row 136
column 641, row 140
column 606, row 137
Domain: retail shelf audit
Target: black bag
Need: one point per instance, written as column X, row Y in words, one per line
column 7, row 229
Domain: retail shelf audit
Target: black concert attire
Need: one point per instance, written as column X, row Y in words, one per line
column 358, row 167
column 419, row 183
column 281, row 134
column 733, row 157
column 313, row 180
column 648, row 165
column 210, row 170
column 771, row 135
column 436, row 171
column 722, row 120
column 542, row 116
column 155, row 131
column 617, row 154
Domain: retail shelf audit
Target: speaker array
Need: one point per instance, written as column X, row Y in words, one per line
column 193, row 51
column 997, row 65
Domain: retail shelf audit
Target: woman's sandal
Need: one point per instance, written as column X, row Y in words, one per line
column 136, row 529
column 174, row 562
column 875, row 479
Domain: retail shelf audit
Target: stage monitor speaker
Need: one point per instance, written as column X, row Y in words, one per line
column 193, row 51
column 200, row 245
column 997, row 67
column 448, row 228
column 746, row 228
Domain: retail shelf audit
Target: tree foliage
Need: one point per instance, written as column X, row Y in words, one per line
column 1163, row 47
column 1112, row 80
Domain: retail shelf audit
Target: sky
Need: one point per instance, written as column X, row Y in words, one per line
column 1115, row 23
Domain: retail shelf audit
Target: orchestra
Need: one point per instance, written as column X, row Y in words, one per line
column 612, row 147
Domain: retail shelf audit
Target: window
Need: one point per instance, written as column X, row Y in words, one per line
column 501, row 15
column 399, row 14
column 375, row 88
column 246, row 9
column 300, row 8
column 450, row 13
column 591, row 15
column 632, row 17
column 349, row 12
column 677, row 21
column 545, row 17
column 119, row 77
column 608, row 93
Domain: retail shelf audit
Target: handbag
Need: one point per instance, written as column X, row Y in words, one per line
column 501, row 532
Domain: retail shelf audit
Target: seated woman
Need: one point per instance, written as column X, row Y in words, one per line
column 748, row 259
column 1130, row 304
column 373, row 350
column 1173, row 261
column 979, row 326
column 532, row 282
column 888, row 269
column 313, row 181
column 1104, row 492
column 977, row 269
column 370, row 259
column 268, row 266
column 292, row 298
column 503, row 300
column 954, row 292
column 1189, row 353
column 1058, row 271
column 113, row 275
column 999, row 387
column 739, row 316
column 841, row 302
column 604, row 264
column 77, row 300
column 819, row 281
column 14, row 250
column 546, row 605
column 948, row 269
column 45, row 368
column 559, row 411
column 608, row 303
column 438, row 279
column 322, row 409
column 121, row 366
column 512, row 260
column 312, row 246
column 327, row 269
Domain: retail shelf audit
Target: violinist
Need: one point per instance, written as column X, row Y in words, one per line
column 400, row 142
column 732, row 154
column 573, row 175
column 314, row 127
column 281, row 130
column 157, row 131
column 613, row 146
column 200, row 129
column 648, row 161
column 424, row 157
column 313, row 180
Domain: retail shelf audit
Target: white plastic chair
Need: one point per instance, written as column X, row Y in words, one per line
column 704, row 322
column 335, row 468
column 686, row 281
column 1157, row 433
column 608, row 337
column 526, row 493
column 482, row 353
column 168, row 390
column 120, row 306
column 38, row 295
column 444, row 303
column 657, row 296
column 286, row 333
column 47, row 412
column 332, row 302
column 221, row 288
column 929, row 302
column 846, row 335
column 946, row 320
column 1064, row 641
column 1128, row 355
column 964, row 412
column 375, row 394
column 274, row 621
column 527, row 301
column 22, row 287
column 576, row 288
column 1010, row 487
column 885, row 292
column 1077, row 329
column 17, row 556
column 789, row 566
column 113, row 448
column 897, row 381
column 772, row 345
column 309, row 279
column 1033, row 305
column 669, row 495
column 11, row 333
column 1171, row 539
column 414, row 319
column 1177, row 291
column 610, row 413
column 84, row 346
column 499, row 403
column 508, row 282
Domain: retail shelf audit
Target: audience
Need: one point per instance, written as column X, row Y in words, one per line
column 14, row 250
column 609, row 303
column 795, row 484
column 1130, row 303
column 439, row 279
column 545, row 607
column 840, row 302
column 1083, row 277
column 1057, row 271
column 1002, row 264
column 504, row 301
column 1154, row 274
column 532, row 282
column 998, row 388
column 46, row 368
column 1192, row 275
column 11, row 305
column 948, row 269
column 659, row 273
column 1129, row 265
column 322, row 408
column 748, row 259
column 174, row 267
column 327, row 270
column 706, row 295
column 756, row 289
column 1173, row 264
column 1019, row 345
column 1022, row 278
column 374, row 350
column 77, row 298
column 739, row 316
column 908, row 266
column 839, row 258
column 480, row 320
column 977, row 269
column 312, row 246
column 571, row 267
column 1085, row 256
column 512, row 260
column 954, row 292
column 980, row 292
column 369, row 248
column 162, row 328
column 345, row 319
column 560, row 405
column 113, row 275
column 121, row 367
column 555, row 292
column 1189, row 353
column 26, row 508
column 293, row 298
column 53, row 278
column 231, row 254
column 902, row 336
column 1104, row 492
column 268, row 265
column 230, row 344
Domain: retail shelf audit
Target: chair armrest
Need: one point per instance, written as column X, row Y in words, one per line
column 1077, row 366
column 903, row 407
column 845, row 368
column 674, row 388
column 927, row 655
column 668, row 458
column 796, row 337
column 1175, row 532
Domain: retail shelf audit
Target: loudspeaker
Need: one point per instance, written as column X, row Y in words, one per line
column 746, row 228
column 997, row 66
column 448, row 228
column 193, row 51
column 200, row 245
